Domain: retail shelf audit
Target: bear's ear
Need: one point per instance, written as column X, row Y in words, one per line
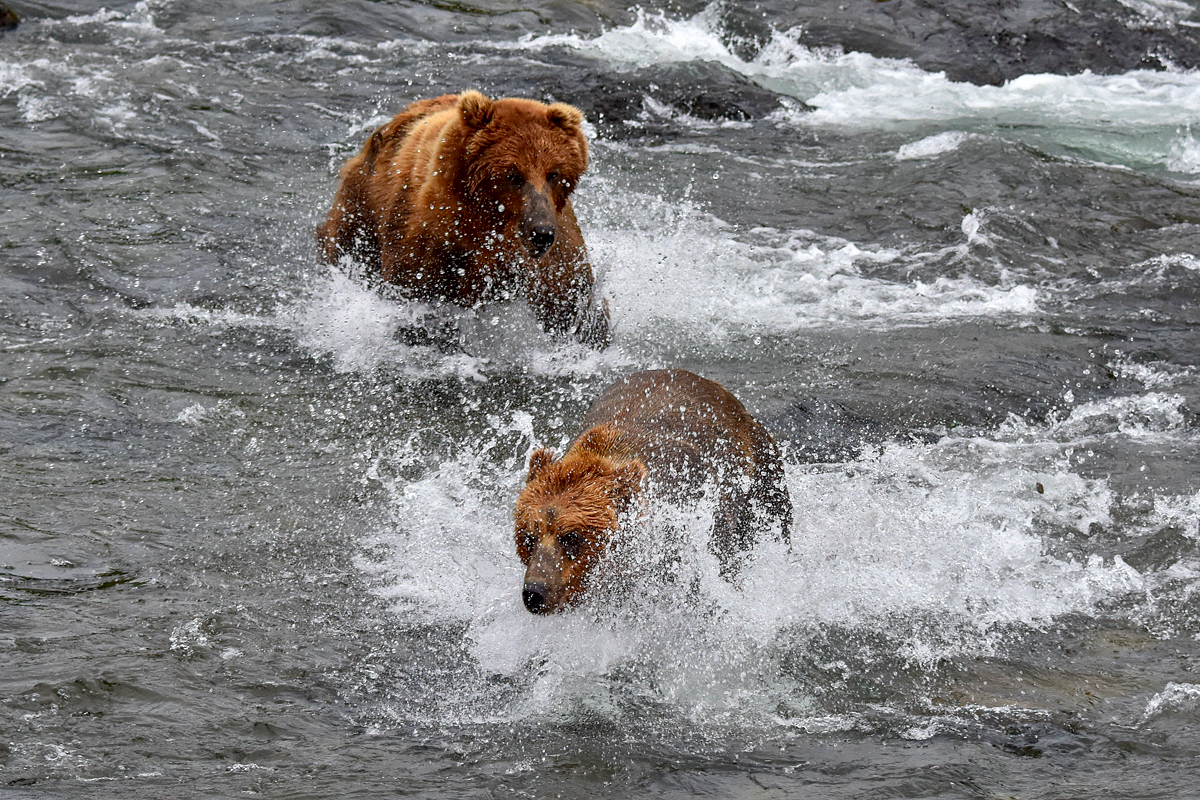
column 541, row 458
column 629, row 478
column 475, row 109
column 371, row 151
column 569, row 118
column 599, row 439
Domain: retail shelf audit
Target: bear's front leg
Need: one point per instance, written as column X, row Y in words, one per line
column 593, row 327
column 564, row 302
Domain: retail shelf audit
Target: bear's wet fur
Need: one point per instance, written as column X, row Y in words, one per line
column 670, row 428
column 465, row 199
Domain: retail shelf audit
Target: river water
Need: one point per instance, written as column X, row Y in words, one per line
column 255, row 536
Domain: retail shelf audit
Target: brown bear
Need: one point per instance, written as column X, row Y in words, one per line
column 467, row 200
column 669, row 431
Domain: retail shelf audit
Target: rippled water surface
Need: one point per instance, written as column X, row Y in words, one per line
column 255, row 539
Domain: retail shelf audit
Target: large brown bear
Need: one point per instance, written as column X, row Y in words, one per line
column 467, row 200
column 671, row 430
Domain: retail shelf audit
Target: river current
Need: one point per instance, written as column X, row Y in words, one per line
column 256, row 536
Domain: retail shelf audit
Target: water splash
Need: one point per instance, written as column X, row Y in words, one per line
column 763, row 280
column 908, row 558
column 361, row 330
column 1184, row 155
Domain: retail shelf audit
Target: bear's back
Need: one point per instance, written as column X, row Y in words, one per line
column 684, row 427
column 691, row 433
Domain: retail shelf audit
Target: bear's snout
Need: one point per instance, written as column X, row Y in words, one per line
column 534, row 596
column 541, row 238
column 548, row 581
column 539, row 224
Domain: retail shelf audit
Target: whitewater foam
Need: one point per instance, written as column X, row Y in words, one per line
column 855, row 90
column 936, row 145
column 138, row 20
column 1175, row 698
column 1184, row 155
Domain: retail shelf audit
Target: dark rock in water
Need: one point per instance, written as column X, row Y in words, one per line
column 984, row 41
column 8, row 18
column 821, row 431
column 704, row 89
column 615, row 101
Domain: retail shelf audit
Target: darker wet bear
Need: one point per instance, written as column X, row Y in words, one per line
column 669, row 430
column 467, row 200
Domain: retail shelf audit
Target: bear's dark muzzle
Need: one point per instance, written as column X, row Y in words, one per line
column 541, row 239
column 540, row 223
column 534, row 597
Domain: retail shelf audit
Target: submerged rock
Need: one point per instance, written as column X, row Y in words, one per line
column 616, row 102
column 8, row 18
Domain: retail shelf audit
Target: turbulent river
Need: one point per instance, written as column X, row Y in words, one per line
column 256, row 538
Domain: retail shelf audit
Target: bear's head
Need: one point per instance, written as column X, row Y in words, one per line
column 521, row 161
column 566, row 516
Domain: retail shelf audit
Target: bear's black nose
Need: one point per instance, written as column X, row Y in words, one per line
column 540, row 239
column 534, row 597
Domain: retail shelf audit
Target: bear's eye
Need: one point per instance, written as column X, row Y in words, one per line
column 515, row 178
column 571, row 544
column 528, row 540
column 553, row 177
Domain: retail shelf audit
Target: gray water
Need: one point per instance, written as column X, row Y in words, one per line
column 255, row 537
